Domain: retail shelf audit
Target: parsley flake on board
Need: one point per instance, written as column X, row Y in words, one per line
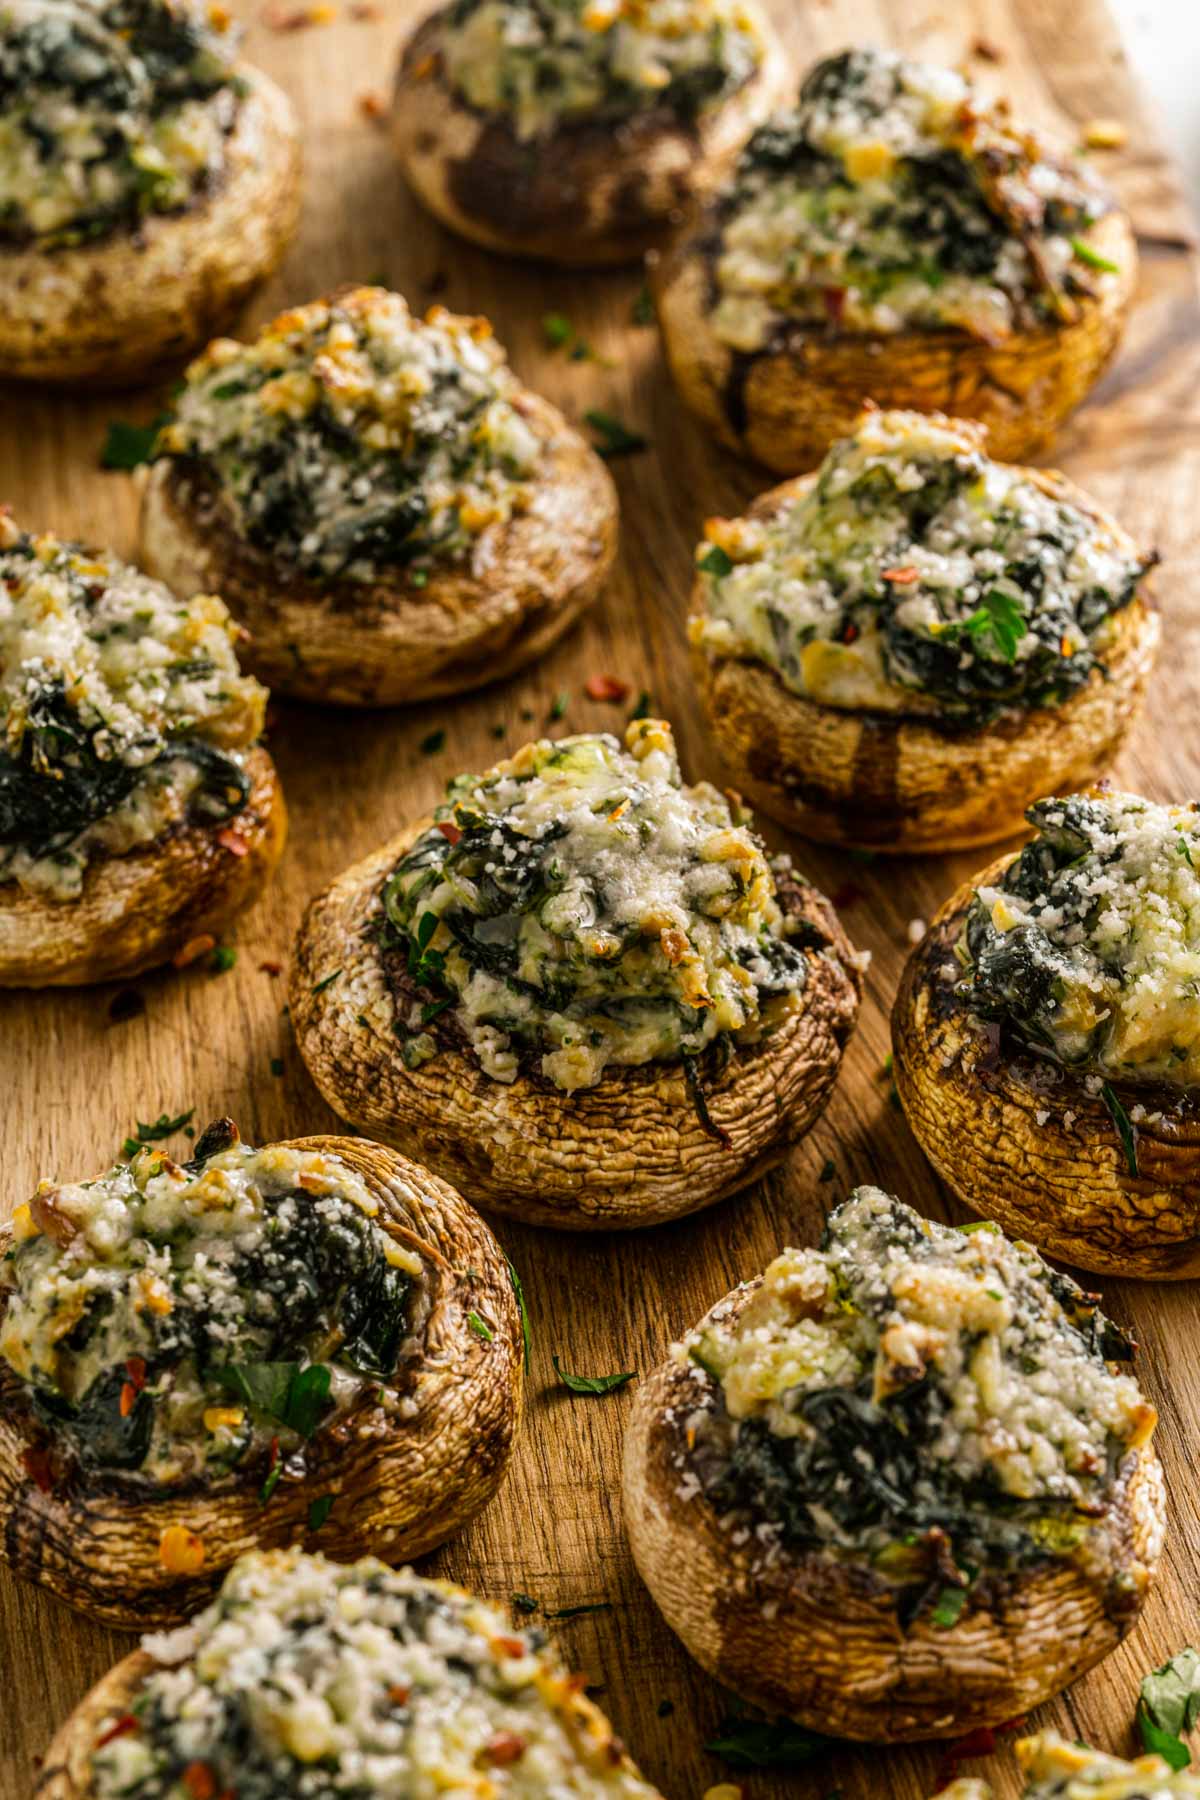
column 319, row 1511
column 577, row 1612
column 1093, row 258
column 523, row 1603
column 1169, row 1705
column 519, row 1291
column 433, row 742
column 948, row 1611
column 162, row 1127
column 591, row 1384
column 762, row 1744
column 127, row 446
column 1125, row 1130
column 614, row 437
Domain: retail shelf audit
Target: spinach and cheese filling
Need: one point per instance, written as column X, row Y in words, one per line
column 110, row 110
column 1088, row 947
column 168, row 1322
column 917, row 575
column 351, row 439
column 543, row 63
column 307, row 1677
column 122, row 711
column 892, row 197
column 578, row 907
column 937, row 1403
column 1057, row 1770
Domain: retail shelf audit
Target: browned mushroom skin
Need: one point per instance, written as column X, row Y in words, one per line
column 819, row 1640
column 117, row 310
column 591, row 193
column 630, row 1151
column 976, row 1100
column 66, row 1769
column 897, row 784
column 785, row 404
column 389, row 642
column 140, row 909
column 397, row 1491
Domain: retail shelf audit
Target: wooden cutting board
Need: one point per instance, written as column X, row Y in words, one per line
column 72, row 1082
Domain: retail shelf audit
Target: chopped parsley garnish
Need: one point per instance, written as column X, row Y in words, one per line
column 578, row 1612
column 277, row 1065
column 1125, row 1130
column 319, row 1511
column 1093, row 258
column 326, row 981
column 559, row 705
column 162, row 1127
column 523, row 1603
column 715, row 561
column 557, row 329
column 1002, row 619
column 614, row 437
column 643, row 307
column 431, row 744
column 760, row 1744
column 1169, row 1706
column 519, row 1291
column 828, row 1170
column 591, row 1384
column 127, row 446
column 950, row 1603
column 296, row 1394
column 222, row 959
column 480, row 1327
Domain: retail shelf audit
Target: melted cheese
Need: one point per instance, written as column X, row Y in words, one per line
column 351, row 437
column 880, row 585
column 1057, row 1770
column 540, row 62
column 304, row 1677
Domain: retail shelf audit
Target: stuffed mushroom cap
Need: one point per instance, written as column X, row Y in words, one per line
column 902, row 1485
column 906, row 648
column 894, row 237
column 149, row 181
column 137, row 808
column 1047, row 1036
column 312, row 1337
column 380, row 501
column 581, row 988
column 1057, row 1770
column 306, row 1676
column 579, row 130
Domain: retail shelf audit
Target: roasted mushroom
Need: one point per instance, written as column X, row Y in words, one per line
column 579, row 130
column 1047, row 1037
column 380, row 501
column 894, row 238
column 319, row 1678
column 904, row 650
column 314, row 1339
column 1057, row 1770
column 899, row 1487
column 148, row 182
column 138, row 812
column 580, row 989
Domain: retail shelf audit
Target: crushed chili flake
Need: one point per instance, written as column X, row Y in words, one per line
column 271, row 968
column 850, row 633
column 835, row 304
column 119, row 1728
column 449, row 830
column 199, row 1781
column 424, row 67
column 508, row 1646
column 398, row 1694
column 986, row 50
column 128, row 1398
column 605, row 687
column 902, row 577
column 194, row 949
column 135, row 1368
column 234, row 841
column 980, row 1742
column 36, row 1463
column 505, row 1747
column 372, row 105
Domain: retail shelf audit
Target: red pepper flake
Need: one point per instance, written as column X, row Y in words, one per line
column 605, row 687
column 835, row 304
column 846, row 896
column 980, row 1742
column 902, row 577
column 36, row 1464
column 199, row 1781
column 850, row 634
column 509, row 1646
column 135, row 1368
column 271, row 968
column 194, row 949
column 505, row 1747
column 398, row 1694
column 128, row 1398
column 372, row 105
column 119, row 1728
column 234, row 841
column 449, row 831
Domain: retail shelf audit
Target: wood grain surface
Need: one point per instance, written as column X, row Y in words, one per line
column 72, row 1082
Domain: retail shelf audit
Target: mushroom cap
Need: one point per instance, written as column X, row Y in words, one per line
column 895, row 783
column 390, row 642
column 397, row 1493
column 1022, row 1141
column 113, row 311
column 589, row 192
column 66, row 1772
column 140, row 909
column 629, row 1151
column 819, row 1639
column 785, row 404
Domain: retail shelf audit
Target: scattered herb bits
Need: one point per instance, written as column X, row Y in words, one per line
column 592, row 1384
